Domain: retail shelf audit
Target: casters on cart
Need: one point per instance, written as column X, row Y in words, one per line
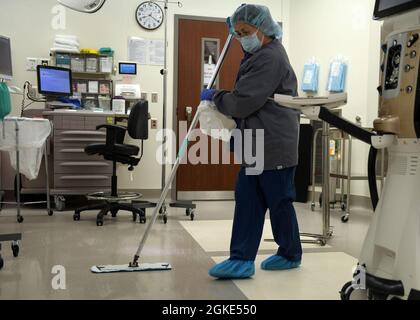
column 15, row 249
column 164, row 214
column 50, row 212
column 20, row 219
column 190, row 213
column 1, row 262
column 345, row 218
column 76, row 217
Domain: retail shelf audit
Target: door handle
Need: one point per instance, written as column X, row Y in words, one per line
column 188, row 113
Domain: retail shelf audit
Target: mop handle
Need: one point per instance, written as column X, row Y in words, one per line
column 182, row 151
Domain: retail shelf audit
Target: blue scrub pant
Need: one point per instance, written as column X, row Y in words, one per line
column 273, row 190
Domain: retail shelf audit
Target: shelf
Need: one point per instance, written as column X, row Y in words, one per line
column 94, row 94
column 92, row 73
column 352, row 178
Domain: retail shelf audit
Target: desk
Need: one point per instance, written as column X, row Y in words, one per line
column 74, row 172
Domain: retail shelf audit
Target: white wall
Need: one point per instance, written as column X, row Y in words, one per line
column 326, row 28
column 28, row 23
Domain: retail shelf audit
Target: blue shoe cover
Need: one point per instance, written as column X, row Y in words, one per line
column 233, row 269
column 276, row 263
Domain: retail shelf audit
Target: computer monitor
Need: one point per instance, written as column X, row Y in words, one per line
column 386, row 8
column 128, row 68
column 6, row 71
column 54, row 81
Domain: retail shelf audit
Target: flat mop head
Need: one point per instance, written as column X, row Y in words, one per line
column 127, row 268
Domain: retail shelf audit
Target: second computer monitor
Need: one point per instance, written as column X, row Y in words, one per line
column 128, row 68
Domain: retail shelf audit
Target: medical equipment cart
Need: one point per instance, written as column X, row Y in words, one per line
column 343, row 172
column 17, row 147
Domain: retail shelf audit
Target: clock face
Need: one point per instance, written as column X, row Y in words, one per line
column 149, row 15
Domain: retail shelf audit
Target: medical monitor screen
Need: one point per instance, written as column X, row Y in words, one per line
column 54, row 81
column 386, row 8
column 128, row 68
column 6, row 71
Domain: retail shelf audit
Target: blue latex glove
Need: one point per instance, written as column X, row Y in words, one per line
column 207, row 94
column 233, row 269
column 279, row 263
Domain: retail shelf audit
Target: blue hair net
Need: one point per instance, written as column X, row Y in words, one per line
column 258, row 16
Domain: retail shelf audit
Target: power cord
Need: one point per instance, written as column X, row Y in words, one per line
column 26, row 95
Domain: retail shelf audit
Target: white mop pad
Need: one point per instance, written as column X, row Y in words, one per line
column 127, row 268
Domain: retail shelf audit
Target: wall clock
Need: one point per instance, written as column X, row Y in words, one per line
column 149, row 15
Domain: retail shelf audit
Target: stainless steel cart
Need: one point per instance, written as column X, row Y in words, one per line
column 343, row 173
column 15, row 238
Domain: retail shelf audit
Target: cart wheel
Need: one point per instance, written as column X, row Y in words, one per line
column 192, row 216
column 134, row 217
column 345, row 219
column 143, row 220
column 99, row 223
column 323, row 243
column 15, row 249
column 320, row 200
column 76, row 217
column 1, row 263
column 165, row 219
column 346, row 292
column 20, row 219
column 313, row 206
column 162, row 210
column 60, row 203
column 50, row 212
column 114, row 213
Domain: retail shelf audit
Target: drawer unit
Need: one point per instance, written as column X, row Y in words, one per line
column 74, row 122
column 73, row 152
column 83, row 167
column 83, row 137
column 80, row 122
column 80, row 180
column 75, row 172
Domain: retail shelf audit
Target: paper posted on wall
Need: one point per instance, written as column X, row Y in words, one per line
column 146, row 52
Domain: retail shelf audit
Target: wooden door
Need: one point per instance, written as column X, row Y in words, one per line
column 192, row 33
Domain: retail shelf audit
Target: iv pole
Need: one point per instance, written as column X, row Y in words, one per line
column 189, row 206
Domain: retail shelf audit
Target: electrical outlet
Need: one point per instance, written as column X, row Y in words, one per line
column 154, row 124
column 155, row 97
column 144, row 96
column 44, row 62
column 31, row 64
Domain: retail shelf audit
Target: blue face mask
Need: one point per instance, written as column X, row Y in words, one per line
column 251, row 43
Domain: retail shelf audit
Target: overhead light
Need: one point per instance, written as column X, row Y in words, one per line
column 86, row 6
